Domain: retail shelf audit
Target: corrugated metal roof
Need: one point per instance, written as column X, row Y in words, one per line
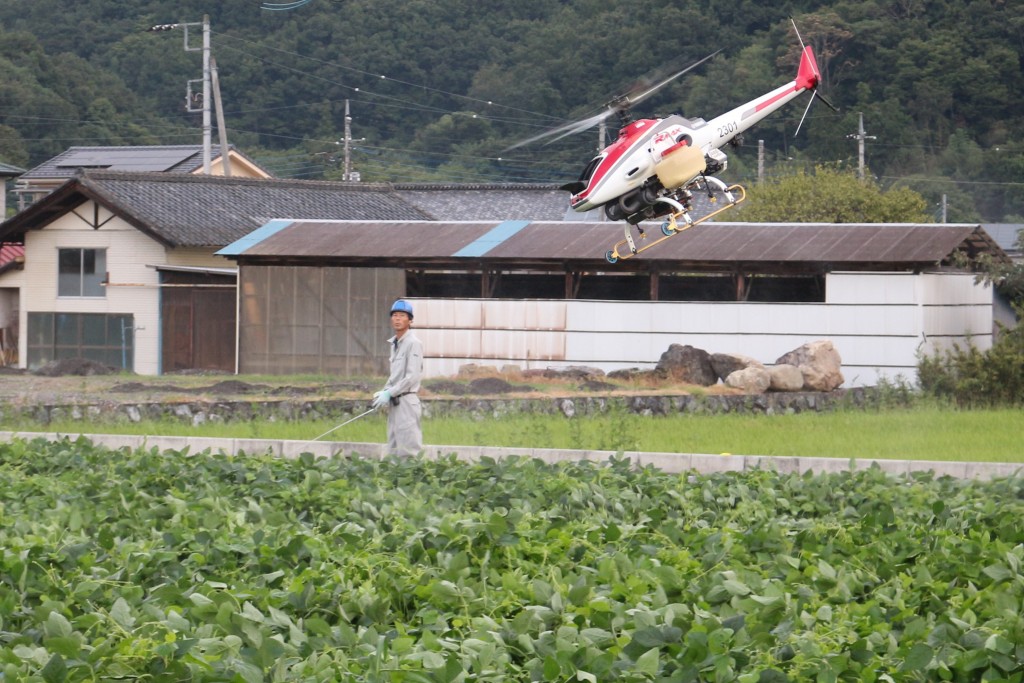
column 556, row 243
column 11, row 252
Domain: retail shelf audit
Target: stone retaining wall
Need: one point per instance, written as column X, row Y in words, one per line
column 201, row 411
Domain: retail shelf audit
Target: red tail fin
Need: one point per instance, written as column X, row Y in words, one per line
column 808, row 76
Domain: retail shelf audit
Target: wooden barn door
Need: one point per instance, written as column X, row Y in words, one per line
column 197, row 315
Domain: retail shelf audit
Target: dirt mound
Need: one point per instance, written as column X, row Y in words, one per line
column 139, row 387
column 446, row 387
column 75, row 366
column 597, row 385
column 491, row 385
column 227, row 387
column 232, row 386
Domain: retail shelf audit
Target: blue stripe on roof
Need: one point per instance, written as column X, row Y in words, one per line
column 261, row 233
column 493, row 237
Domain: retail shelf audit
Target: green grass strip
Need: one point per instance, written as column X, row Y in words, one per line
column 921, row 433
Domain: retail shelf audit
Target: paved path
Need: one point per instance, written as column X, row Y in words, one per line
column 667, row 462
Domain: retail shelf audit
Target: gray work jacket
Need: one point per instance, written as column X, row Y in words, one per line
column 406, row 365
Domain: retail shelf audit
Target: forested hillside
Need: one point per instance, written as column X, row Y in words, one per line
column 438, row 90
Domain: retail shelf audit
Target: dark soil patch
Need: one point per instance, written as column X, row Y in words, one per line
column 493, row 385
column 597, row 385
column 75, row 366
column 446, row 387
column 232, row 387
column 139, row 387
column 226, row 387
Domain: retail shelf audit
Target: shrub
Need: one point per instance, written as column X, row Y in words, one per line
column 975, row 378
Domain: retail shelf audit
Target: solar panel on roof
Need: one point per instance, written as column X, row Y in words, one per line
column 127, row 160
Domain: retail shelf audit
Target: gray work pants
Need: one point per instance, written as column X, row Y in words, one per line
column 404, row 434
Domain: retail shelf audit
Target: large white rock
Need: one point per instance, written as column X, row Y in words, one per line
column 820, row 364
column 750, row 380
column 786, row 377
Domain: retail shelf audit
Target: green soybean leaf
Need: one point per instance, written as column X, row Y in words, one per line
column 647, row 663
column 55, row 671
column 121, row 612
column 918, row 659
column 57, row 625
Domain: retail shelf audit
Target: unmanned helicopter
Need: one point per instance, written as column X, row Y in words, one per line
column 652, row 169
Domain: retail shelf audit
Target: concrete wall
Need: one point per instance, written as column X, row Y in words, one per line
column 877, row 321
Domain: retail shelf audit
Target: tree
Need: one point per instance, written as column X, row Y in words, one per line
column 831, row 196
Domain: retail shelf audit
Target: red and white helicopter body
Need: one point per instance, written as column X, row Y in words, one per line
column 624, row 177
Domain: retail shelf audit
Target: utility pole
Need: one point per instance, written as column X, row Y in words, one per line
column 760, row 162
column 860, row 136
column 189, row 97
column 222, row 134
column 348, row 174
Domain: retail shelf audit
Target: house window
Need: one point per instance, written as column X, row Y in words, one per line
column 104, row 338
column 81, row 272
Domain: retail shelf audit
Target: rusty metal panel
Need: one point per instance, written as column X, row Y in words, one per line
column 410, row 239
column 558, row 243
column 314, row 319
column 833, row 243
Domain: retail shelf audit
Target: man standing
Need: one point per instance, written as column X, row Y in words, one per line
column 400, row 392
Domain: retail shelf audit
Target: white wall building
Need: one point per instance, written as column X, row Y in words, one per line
column 878, row 322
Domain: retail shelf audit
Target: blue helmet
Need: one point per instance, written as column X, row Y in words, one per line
column 402, row 306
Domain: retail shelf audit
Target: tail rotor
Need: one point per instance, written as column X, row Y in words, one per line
column 808, row 77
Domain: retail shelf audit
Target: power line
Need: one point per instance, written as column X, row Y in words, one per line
column 379, row 76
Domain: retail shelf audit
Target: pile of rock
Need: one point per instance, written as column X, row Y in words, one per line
column 814, row 366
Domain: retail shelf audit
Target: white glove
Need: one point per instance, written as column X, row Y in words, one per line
column 381, row 398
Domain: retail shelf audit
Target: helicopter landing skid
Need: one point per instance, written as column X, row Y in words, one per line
column 734, row 194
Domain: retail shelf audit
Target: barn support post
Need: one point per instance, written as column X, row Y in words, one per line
column 489, row 283
column 742, row 286
column 573, row 279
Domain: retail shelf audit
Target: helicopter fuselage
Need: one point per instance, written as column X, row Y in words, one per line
column 623, row 177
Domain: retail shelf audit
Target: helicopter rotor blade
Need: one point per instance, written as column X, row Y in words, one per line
column 630, row 100
column 565, row 130
column 806, row 110
column 614, row 107
column 827, row 103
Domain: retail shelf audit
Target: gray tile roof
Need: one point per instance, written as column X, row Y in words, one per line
column 186, row 210
column 1005, row 235
column 8, row 171
column 489, row 202
column 509, row 201
column 212, row 211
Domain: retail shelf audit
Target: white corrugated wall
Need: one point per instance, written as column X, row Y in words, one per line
column 878, row 322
